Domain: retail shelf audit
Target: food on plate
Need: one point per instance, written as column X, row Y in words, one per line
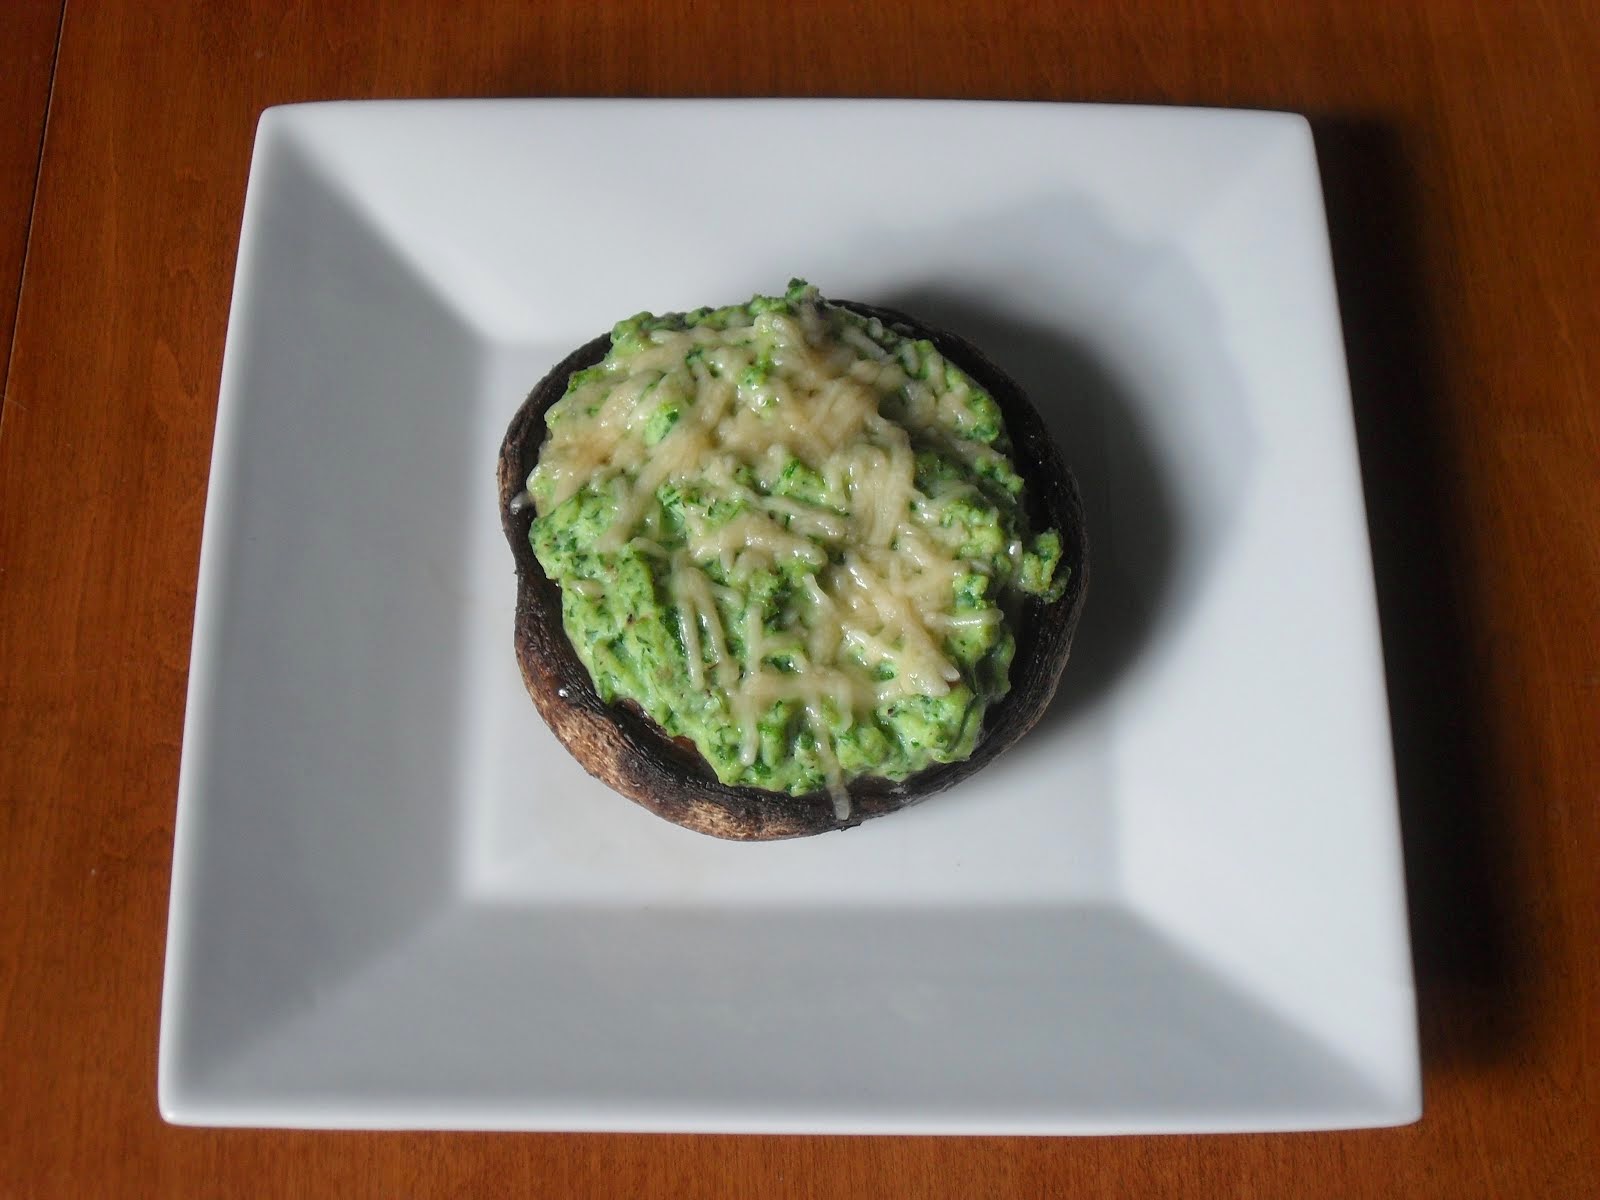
column 786, row 565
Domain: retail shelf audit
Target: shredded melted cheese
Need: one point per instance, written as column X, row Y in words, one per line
column 727, row 411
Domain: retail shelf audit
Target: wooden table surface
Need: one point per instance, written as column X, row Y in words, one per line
column 1460, row 145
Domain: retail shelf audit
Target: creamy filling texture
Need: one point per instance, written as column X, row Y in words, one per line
column 791, row 534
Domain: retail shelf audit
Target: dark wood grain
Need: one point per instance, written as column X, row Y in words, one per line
column 1460, row 145
column 28, row 30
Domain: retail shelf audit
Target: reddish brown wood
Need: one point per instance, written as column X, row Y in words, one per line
column 28, row 30
column 1460, row 144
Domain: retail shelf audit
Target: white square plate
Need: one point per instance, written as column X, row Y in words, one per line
column 396, row 902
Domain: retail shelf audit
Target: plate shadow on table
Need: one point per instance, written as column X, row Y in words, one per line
column 1473, row 967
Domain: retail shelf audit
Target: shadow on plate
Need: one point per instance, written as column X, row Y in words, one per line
column 1473, row 965
column 1089, row 410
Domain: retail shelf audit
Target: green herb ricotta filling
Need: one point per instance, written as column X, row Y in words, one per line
column 792, row 535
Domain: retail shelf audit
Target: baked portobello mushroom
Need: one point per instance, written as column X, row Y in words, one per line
column 936, row 698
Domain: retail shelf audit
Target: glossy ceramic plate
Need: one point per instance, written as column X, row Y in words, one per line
column 396, row 901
